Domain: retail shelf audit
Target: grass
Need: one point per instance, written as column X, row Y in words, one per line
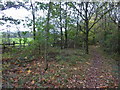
column 111, row 55
column 15, row 39
column 66, row 66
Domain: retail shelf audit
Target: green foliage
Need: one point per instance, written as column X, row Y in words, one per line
column 67, row 66
column 108, row 38
column 111, row 43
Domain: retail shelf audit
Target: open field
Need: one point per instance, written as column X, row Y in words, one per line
column 14, row 39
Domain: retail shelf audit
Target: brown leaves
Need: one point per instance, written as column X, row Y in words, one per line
column 101, row 76
column 75, row 68
column 29, row 71
column 103, row 87
column 32, row 82
column 88, row 63
column 60, row 74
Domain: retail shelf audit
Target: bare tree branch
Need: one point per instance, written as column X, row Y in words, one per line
column 96, row 20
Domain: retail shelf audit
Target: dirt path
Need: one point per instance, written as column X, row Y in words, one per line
column 100, row 73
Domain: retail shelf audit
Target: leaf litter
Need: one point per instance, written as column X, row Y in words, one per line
column 93, row 73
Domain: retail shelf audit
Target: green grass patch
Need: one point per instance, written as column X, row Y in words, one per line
column 16, row 40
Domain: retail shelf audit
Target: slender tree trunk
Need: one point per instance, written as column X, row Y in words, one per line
column 61, row 27
column 20, row 39
column 47, row 36
column 33, row 16
column 8, row 36
column 24, row 42
column 76, row 32
column 54, row 38
column 105, row 32
column 87, row 28
column 118, row 37
column 94, row 42
column 19, row 35
column 86, row 42
column 66, row 38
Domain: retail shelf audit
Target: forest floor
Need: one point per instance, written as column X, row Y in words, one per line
column 102, row 71
column 97, row 71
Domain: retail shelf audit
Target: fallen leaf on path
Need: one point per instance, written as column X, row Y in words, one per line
column 29, row 71
column 101, row 76
column 33, row 82
column 75, row 68
column 88, row 63
column 103, row 87
column 26, row 57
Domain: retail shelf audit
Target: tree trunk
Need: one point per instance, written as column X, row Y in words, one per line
column 87, row 28
column 61, row 27
column 33, row 15
column 105, row 32
column 47, row 36
column 8, row 32
column 54, row 38
column 118, row 37
column 66, row 43
column 76, row 36
column 86, row 43
column 20, row 39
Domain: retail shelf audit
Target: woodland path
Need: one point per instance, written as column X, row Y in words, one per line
column 100, row 73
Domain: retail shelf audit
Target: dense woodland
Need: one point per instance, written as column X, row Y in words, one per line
column 62, row 46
